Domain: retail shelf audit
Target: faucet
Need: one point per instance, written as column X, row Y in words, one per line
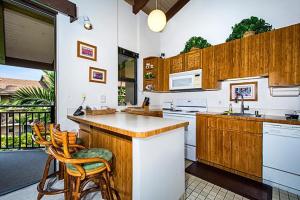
column 243, row 108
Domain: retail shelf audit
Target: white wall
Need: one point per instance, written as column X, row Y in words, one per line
column 114, row 25
column 213, row 19
column 134, row 35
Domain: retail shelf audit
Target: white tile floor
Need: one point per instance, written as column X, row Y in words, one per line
column 196, row 189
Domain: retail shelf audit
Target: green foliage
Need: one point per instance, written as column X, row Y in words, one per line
column 149, row 75
column 35, row 95
column 15, row 140
column 121, row 95
column 197, row 42
column 250, row 24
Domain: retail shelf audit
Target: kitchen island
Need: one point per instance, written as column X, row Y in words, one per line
column 148, row 153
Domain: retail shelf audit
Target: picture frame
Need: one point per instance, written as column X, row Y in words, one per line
column 86, row 51
column 97, row 75
column 248, row 89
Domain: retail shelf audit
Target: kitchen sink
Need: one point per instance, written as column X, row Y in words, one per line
column 239, row 114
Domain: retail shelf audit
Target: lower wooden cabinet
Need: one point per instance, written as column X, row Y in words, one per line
column 234, row 144
column 247, row 153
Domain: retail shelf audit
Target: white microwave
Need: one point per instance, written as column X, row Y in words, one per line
column 186, row 80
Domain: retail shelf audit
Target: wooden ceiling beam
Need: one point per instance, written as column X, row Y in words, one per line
column 175, row 8
column 138, row 5
column 63, row 6
column 28, row 64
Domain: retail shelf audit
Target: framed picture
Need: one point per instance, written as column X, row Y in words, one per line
column 97, row 75
column 86, row 51
column 247, row 89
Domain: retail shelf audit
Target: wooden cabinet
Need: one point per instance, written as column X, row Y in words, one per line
column 209, row 72
column 154, row 67
column 275, row 54
column 177, row 64
column 227, row 59
column 193, row 60
column 234, row 144
column 247, row 153
column 255, row 55
column 285, row 55
column 201, row 138
column 166, row 74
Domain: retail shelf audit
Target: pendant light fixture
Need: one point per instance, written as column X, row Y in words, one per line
column 157, row 20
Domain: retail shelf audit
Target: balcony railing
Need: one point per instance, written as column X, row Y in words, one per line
column 16, row 131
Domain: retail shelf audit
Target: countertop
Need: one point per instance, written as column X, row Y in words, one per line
column 263, row 118
column 129, row 124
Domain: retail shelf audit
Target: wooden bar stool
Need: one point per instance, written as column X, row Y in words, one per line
column 84, row 166
column 42, row 136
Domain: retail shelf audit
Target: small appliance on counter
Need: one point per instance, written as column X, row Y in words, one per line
column 293, row 116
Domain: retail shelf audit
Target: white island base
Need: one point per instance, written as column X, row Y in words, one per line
column 158, row 166
column 148, row 161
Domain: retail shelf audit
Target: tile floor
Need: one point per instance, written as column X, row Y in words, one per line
column 196, row 189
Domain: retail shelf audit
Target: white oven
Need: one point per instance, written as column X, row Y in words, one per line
column 186, row 80
column 189, row 133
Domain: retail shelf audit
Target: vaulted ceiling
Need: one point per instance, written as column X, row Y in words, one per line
column 170, row 7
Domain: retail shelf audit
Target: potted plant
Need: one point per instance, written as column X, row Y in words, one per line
column 247, row 27
column 149, row 75
column 194, row 43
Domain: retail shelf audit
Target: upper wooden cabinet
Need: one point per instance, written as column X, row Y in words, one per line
column 275, row 54
column 285, row 57
column 177, row 64
column 154, row 66
column 227, row 59
column 209, row 72
column 166, row 73
column 193, row 60
column 255, row 55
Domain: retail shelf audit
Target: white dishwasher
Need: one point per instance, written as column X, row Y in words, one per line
column 281, row 156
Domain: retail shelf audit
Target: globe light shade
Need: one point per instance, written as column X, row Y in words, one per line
column 157, row 20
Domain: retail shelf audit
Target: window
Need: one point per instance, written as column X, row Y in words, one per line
column 127, row 76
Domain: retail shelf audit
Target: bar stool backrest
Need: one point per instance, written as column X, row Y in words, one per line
column 62, row 140
column 40, row 133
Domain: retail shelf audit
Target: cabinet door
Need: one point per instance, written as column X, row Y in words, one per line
column 209, row 73
column 166, row 70
column 201, row 138
column 193, row 60
column 226, row 148
column 255, row 51
column 215, row 146
column 227, row 58
column 285, row 53
column 247, row 153
column 177, row 64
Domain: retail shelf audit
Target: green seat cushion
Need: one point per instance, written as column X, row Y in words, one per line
column 91, row 153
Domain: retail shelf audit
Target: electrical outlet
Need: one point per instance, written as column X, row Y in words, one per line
column 103, row 99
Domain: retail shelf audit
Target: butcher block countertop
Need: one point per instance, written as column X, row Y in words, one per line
column 263, row 118
column 131, row 125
